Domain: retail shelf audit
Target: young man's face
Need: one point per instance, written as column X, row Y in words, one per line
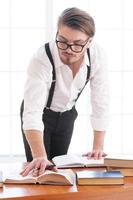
column 79, row 41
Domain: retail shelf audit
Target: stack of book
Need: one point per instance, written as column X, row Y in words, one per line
column 1, row 179
column 118, row 166
column 89, row 176
column 123, row 163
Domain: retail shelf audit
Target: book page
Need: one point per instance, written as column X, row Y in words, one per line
column 68, row 159
column 62, row 177
column 91, row 161
column 17, row 178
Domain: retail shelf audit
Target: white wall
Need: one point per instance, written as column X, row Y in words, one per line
column 27, row 24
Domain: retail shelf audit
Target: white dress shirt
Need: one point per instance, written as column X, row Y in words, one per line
column 66, row 88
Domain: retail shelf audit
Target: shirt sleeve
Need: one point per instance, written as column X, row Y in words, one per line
column 36, row 91
column 99, row 90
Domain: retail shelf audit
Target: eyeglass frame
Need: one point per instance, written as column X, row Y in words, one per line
column 70, row 45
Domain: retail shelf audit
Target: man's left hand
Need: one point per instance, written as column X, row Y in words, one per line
column 95, row 154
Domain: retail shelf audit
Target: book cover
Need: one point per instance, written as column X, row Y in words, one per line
column 125, row 171
column 119, row 161
column 62, row 177
column 99, row 178
column 76, row 160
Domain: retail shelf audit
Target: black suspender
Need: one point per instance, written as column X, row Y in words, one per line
column 51, row 92
column 88, row 74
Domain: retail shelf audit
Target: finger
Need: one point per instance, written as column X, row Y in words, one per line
column 42, row 168
column 35, row 172
column 88, row 155
column 24, row 169
column 37, row 169
column 91, row 155
column 100, row 155
column 85, row 154
column 27, row 169
column 37, row 165
column 55, row 169
column 105, row 154
column 25, row 164
column 95, row 155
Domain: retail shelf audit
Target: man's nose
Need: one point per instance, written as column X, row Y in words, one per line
column 69, row 50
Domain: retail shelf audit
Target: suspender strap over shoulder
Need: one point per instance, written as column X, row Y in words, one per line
column 88, row 67
column 88, row 74
column 51, row 92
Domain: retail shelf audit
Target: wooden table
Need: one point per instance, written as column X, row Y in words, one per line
column 45, row 192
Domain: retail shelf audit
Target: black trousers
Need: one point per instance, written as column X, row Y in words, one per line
column 57, row 133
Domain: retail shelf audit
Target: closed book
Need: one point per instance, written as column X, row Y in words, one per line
column 119, row 161
column 99, row 178
column 76, row 160
column 1, row 179
column 62, row 177
column 125, row 171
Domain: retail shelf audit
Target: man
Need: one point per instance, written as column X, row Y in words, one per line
column 54, row 84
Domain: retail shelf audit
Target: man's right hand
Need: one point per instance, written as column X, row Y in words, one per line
column 37, row 166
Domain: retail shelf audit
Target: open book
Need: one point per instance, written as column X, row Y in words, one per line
column 62, row 177
column 76, row 160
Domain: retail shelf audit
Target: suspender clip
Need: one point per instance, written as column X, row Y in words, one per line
column 47, row 108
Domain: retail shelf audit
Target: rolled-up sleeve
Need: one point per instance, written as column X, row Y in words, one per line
column 36, row 92
column 99, row 91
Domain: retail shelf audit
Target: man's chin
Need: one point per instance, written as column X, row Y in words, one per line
column 67, row 61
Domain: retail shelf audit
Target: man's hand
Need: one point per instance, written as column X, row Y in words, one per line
column 98, row 143
column 96, row 154
column 40, row 162
column 37, row 166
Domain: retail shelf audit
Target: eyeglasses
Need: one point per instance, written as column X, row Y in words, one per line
column 77, row 48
